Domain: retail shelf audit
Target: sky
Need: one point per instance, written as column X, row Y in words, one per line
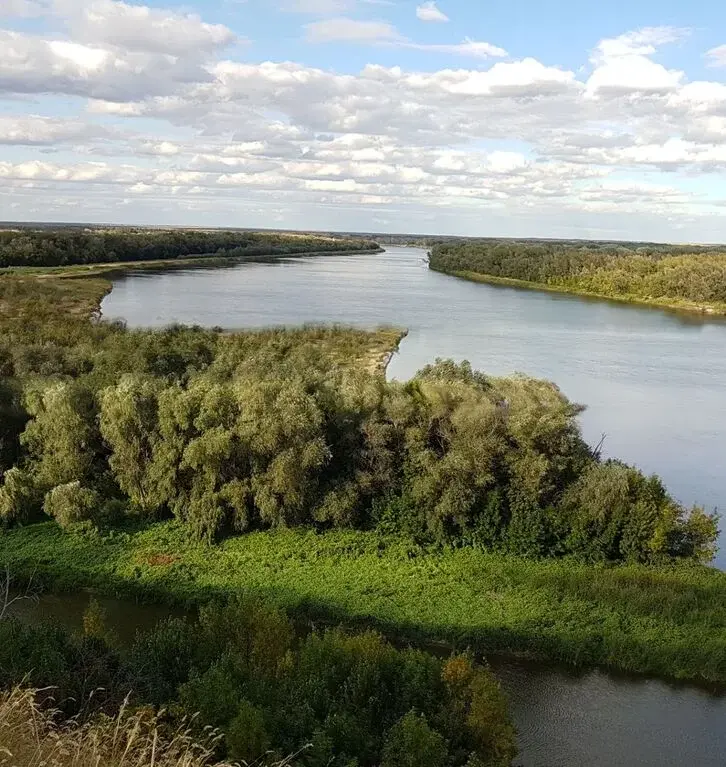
column 518, row 119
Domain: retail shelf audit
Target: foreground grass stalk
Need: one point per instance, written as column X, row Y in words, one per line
column 33, row 736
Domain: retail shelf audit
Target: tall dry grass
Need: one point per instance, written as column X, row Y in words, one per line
column 31, row 736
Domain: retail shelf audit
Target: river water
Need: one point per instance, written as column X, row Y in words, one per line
column 653, row 382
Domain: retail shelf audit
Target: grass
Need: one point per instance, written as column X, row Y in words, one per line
column 34, row 296
column 32, row 736
column 679, row 305
column 666, row 622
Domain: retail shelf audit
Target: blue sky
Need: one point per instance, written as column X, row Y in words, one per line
column 527, row 119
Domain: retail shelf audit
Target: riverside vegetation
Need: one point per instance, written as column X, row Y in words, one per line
column 677, row 276
column 328, row 698
column 457, row 506
column 77, row 246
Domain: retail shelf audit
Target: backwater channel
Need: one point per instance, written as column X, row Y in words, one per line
column 653, row 383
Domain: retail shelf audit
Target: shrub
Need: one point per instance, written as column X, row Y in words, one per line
column 412, row 743
column 70, row 503
column 19, row 498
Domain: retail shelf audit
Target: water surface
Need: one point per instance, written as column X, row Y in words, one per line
column 653, row 381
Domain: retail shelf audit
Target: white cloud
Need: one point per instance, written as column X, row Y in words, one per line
column 21, row 8
column 343, row 29
column 467, row 48
column 37, row 130
column 642, row 42
column 31, row 64
column 716, row 57
column 622, row 66
column 429, row 11
column 140, row 28
column 319, row 7
column 515, row 79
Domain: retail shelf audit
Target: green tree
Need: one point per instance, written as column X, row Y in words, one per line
column 412, row 743
column 20, row 499
column 71, row 503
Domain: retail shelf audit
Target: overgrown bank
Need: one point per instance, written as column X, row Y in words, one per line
column 678, row 277
column 77, row 246
column 329, row 699
column 668, row 621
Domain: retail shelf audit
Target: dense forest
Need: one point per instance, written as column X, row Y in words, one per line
column 676, row 275
column 323, row 699
column 236, row 432
column 69, row 246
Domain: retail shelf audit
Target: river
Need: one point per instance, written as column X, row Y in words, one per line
column 652, row 380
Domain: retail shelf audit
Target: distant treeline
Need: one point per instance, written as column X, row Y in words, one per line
column 256, row 430
column 66, row 247
column 645, row 272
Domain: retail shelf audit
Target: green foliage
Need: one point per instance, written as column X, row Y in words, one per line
column 71, row 503
column 61, row 437
column 345, row 695
column 63, row 247
column 676, row 275
column 246, row 738
column 412, row 743
column 161, row 659
column 661, row 620
column 83, row 672
column 12, row 421
column 19, row 498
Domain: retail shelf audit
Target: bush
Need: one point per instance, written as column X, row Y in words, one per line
column 412, row 743
column 246, row 737
column 19, row 498
column 70, row 504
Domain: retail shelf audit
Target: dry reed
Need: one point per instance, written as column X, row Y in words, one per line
column 32, row 736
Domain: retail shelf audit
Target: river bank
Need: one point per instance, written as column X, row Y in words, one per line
column 666, row 622
column 692, row 307
column 113, row 270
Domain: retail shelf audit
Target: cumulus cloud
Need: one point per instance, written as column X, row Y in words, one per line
column 429, row 11
column 31, row 64
column 141, row 28
column 623, row 66
column 34, row 130
column 178, row 127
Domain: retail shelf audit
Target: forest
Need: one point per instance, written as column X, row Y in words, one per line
column 671, row 275
column 70, row 246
